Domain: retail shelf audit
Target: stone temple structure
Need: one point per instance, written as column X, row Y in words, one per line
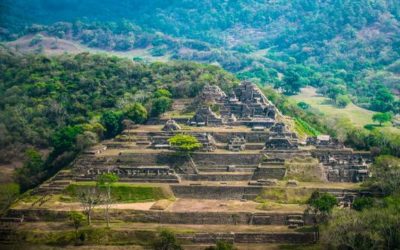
column 236, row 164
column 245, row 105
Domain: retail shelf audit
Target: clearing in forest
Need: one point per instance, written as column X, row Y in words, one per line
column 356, row 114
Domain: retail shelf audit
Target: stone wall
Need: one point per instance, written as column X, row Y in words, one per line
column 218, row 177
column 226, row 159
column 215, row 192
column 274, row 172
column 166, row 217
column 287, row 238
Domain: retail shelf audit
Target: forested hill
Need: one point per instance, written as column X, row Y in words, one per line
column 349, row 49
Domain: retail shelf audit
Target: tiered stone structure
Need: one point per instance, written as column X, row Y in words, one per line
column 236, row 163
column 245, row 105
column 258, row 155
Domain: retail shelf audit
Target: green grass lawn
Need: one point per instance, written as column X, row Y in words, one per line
column 125, row 192
column 357, row 115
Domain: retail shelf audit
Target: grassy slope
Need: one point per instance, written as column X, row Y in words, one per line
column 357, row 115
column 55, row 46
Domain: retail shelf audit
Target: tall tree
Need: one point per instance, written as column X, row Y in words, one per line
column 106, row 180
column 382, row 118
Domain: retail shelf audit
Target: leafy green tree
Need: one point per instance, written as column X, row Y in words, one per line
column 386, row 174
column 77, row 220
column 361, row 203
column 160, row 105
column 292, row 82
column 383, row 100
column 166, row 241
column 31, row 172
column 64, row 139
column 136, row 113
column 336, row 90
column 112, row 123
column 161, row 93
column 303, row 105
column 106, row 180
column 376, row 228
column 342, row 100
column 320, row 205
column 184, row 143
column 8, row 193
column 382, row 118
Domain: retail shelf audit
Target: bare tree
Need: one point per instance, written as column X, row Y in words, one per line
column 106, row 180
column 89, row 198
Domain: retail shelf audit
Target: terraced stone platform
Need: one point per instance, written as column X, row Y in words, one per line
column 237, row 187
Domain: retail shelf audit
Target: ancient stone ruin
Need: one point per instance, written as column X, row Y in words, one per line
column 245, row 153
column 245, row 105
column 171, row 125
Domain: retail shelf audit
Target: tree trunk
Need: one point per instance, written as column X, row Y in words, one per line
column 89, row 217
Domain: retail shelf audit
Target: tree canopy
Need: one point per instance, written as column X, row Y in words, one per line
column 184, row 143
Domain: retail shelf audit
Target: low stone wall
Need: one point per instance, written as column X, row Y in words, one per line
column 166, row 217
column 217, row 177
column 269, row 173
column 226, row 159
column 287, row 238
column 214, row 192
column 250, row 137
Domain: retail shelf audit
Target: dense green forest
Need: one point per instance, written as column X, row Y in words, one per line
column 348, row 49
column 69, row 102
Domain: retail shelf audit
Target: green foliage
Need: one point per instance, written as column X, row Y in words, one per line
column 302, row 127
column 124, row 192
column 184, row 143
column 136, row 113
column 342, row 100
column 166, row 240
column 385, row 174
column 64, row 139
column 382, row 118
column 107, row 179
column 222, row 245
column 160, row 105
column 112, row 122
column 376, row 228
column 77, row 219
column 42, row 96
column 322, row 202
column 361, row 203
column 292, row 82
column 31, row 172
column 303, row 105
column 161, row 93
column 322, row 44
column 8, row 193
column 383, row 140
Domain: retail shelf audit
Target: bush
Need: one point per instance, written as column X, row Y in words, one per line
column 185, row 143
column 361, row 203
column 166, row 241
column 136, row 113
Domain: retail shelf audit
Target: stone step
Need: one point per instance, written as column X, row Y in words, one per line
column 299, row 223
column 218, row 176
column 239, row 237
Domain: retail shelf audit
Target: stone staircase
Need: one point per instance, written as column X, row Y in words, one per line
column 295, row 221
column 56, row 184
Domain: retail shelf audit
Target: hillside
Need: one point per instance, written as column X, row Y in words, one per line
column 288, row 44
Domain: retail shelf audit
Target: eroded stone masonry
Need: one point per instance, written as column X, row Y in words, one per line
column 248, row 149
column 244, row 139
